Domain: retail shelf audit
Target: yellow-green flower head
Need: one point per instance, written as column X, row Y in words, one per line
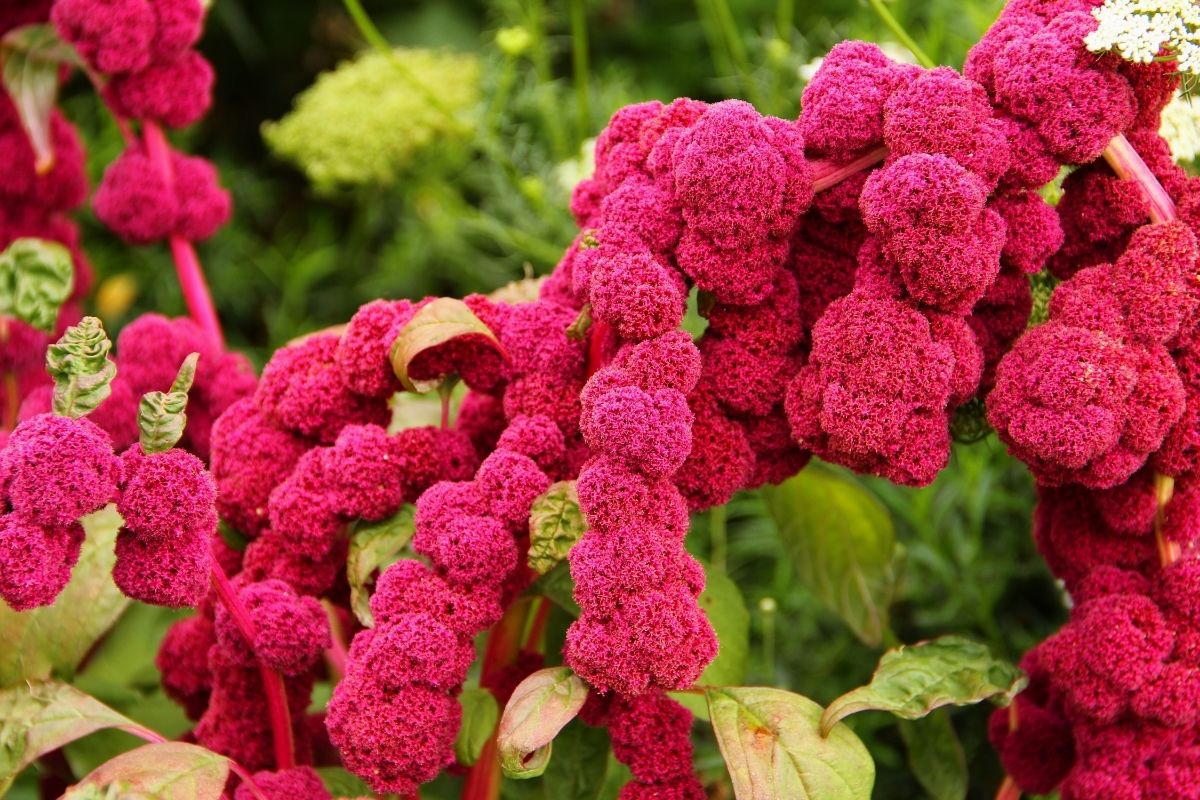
column 368, row 119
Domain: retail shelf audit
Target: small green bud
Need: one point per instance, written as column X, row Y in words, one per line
column 36, row 278
column 514, row 41
column 162, row 416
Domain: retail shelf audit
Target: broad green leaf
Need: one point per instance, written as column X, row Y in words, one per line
column 913, row 680
column 539, row 708
column 36, row 277
column 81, row 369
column 559, row 587
column 773, row 748
column 32, row 56
column 722, row 602
column 842, row 544
column 375, row 546
column 167, row 771
column 38, row 717
column 480, row 714
column 555, row 525
column 162, row 416
column 342, row 783
column 152, row 710
column 54, row 639
column 435, row 324
column 580, row 764
column 936, row 756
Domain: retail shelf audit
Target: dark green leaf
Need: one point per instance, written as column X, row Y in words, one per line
column 555, row 525
column 341, row 783
column 480, row 714
column 580, row 764
column 55, row 638
column 167, row 771
column 374, row 546
column 539, row 708
column 559, row 587
column 36, row 277
column 32, row 56
column 773, row 748
column 936, row 756
column 913, row 680
column 81, row 369
column 842, row 545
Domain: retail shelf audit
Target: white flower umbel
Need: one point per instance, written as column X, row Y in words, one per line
column 1181, row 127
column 1140, row 30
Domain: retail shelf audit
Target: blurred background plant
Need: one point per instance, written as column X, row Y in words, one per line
column 429, row 147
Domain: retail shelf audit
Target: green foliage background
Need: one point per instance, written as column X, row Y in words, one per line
column 480, row 209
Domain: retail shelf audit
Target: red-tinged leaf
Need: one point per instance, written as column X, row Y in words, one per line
column 442, row 338
column 32, row 56
column 539, row 708
column 170, row 771
column 773, row 747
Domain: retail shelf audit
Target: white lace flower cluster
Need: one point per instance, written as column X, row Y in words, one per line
column 1140, row 29
column 1181, row 127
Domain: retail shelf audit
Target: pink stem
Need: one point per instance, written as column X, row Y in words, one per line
column 827, row 174
column 335, row 655
column 273, row 688
column 187, row 264
column 1128, row 165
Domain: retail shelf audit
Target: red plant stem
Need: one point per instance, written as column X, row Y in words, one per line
column 597, row 342
column 533, row 639
column 273, row 688
column 1009, row 790
column 187, row 264
column 12, row 400
column 1128, row 165
column 503, row 647
column 827, row 174
column 445, row 393
column 335, row 656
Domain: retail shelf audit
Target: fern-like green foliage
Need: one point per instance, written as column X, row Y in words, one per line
column 366, row 121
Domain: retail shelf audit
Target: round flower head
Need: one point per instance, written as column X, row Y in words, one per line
column 1041, row 751
column 35, row 561
column 510, row 482
column 611, row 493
column 650, row 432
column 178, row 28
column 651, row 735
column 535, row 338
column 470, row 551
column 445, row 501
column 747, row 381
column 776, row 455
column 170, row 572
column 637, row 294
column 1034, row 231
column 64, row 186
column 367, row 468
column 183, row 662
column 59, row 469
column 250, row 457
column 203, row 205
column 363, row 351
column 114, row 36
column 176, row 92
column 290, row 631
column 546, row 394
column 428, row 455
column 670, row 361
column 538, row 438
column 302, row 390
column 409, row 587
column 301, row 510
column 413, row 649
column 720, row 462
column 774, row 324
column 842, row 106
column 134, row 199
column 296, row 783
column 611, row 566
column 164, row 494
column 271, row 556
column 481, row 418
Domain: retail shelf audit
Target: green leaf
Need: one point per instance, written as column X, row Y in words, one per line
column 480, row 713
column 342, row 783
column 936, row 756
column 913, row 680
column 559, row 587
column 31, row 56
column 162, row 416
column 38, row 717
column 555, row 525
column 55, row 638
column 36, row 277
column 842, row 546
column 580, row 764
column 773, row 748
column 374, row 546
column 434, row 325
column 722, row 602
column 167, row 771
column 81, row 369
column 539, row 708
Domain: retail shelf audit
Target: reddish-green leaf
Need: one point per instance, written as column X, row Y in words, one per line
column 436, row 324
column 32, row 56
column 167, row 771
column 538, row 709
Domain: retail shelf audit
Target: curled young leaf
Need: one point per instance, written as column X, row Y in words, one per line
column 539, row 708
column 162, row 416
column 31, row 56
column 480, row 712
column 36, row 277
column 773, row 748
column 81, row 369
column 171, row 769
column 913, row 680
column 439, row 339
column 555, row 525
column 374, row 546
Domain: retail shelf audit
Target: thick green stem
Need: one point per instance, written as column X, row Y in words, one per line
column 898, row 31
